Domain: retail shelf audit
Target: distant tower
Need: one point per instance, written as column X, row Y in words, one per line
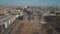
column 27, row 5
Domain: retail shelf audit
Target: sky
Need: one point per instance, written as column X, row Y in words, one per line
column 30, row 2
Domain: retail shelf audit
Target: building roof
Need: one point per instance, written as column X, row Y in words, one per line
column 4, row 18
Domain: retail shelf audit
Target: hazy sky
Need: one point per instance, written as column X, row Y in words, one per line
column 30, row 2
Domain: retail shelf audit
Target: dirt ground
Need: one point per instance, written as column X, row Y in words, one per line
column 28, row 27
